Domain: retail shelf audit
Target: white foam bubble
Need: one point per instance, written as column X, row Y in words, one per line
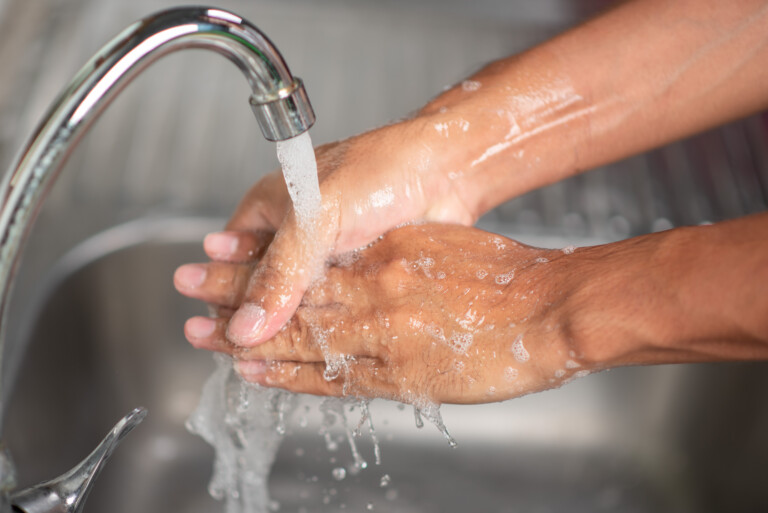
column 470, row 320
column 519, row 351
column 415, row 323
column 460, row 342
column 510, row 373
column 471, row 85
column 505, row 278
column 425, row 264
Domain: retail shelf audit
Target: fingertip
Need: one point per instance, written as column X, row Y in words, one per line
column 278, row 284
column 252, row 371
column 247, row 325
column 198, row 329
column 221, row 245
column 189, row 276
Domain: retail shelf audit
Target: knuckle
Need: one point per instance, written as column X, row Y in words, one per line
column 291, row 338
column 282, row 374
column 369, row 332
column 305, row 333
column 394, row 276
column 366, row 379
column 239, row 285
column 269, row 273
column 321, row 291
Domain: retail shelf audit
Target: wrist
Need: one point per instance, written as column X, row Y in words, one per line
column 684, row 295
column 515, row 126
column 622, row 308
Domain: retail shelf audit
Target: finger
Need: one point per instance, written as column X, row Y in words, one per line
column 319, row 334
column 337, row 285
column 237, row 246
column 219, row 283
column 298, row 377
column 264, row 206
column 278, row 284
column 306, row 338
column 208, row 333
column 365, row 377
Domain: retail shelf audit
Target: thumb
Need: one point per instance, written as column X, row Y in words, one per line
column 294, row 258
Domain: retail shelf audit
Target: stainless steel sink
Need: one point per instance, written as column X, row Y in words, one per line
column 107, row 337
column 104, row 326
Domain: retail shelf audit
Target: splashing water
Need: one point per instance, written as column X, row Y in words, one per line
column 333, row 412
column 245, row 423
column 431, row 412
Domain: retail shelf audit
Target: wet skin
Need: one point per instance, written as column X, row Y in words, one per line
column 393, row 320
column 567, row 105
column 428, row 312
column 643, row 74
column 357, row 207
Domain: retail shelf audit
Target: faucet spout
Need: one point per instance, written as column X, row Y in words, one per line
column 278, row 100
column 67, row 493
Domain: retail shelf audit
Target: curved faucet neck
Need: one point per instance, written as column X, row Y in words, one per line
column 278, row 101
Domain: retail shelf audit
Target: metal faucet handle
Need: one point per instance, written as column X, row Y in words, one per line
column 67, row 493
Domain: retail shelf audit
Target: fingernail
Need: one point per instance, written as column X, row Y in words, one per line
column 200, row 327
column 246, row 325
column 250, row 368
column 190, row 276
column 220, row 244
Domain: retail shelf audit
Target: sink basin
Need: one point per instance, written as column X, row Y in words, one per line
column 107, row 337
column 105, row 333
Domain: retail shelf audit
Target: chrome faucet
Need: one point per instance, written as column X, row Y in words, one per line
column 278, row 101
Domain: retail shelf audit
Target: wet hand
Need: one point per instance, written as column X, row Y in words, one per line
column 369, row 184
column 438, row 313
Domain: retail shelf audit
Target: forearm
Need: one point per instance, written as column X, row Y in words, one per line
column 686, row 295
column 646, row 73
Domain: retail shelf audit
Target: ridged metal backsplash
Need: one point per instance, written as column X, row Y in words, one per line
column 717, row 175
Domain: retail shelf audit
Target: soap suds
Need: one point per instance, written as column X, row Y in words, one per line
column 470, row 85
column 518, row 350
column 505, row 278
